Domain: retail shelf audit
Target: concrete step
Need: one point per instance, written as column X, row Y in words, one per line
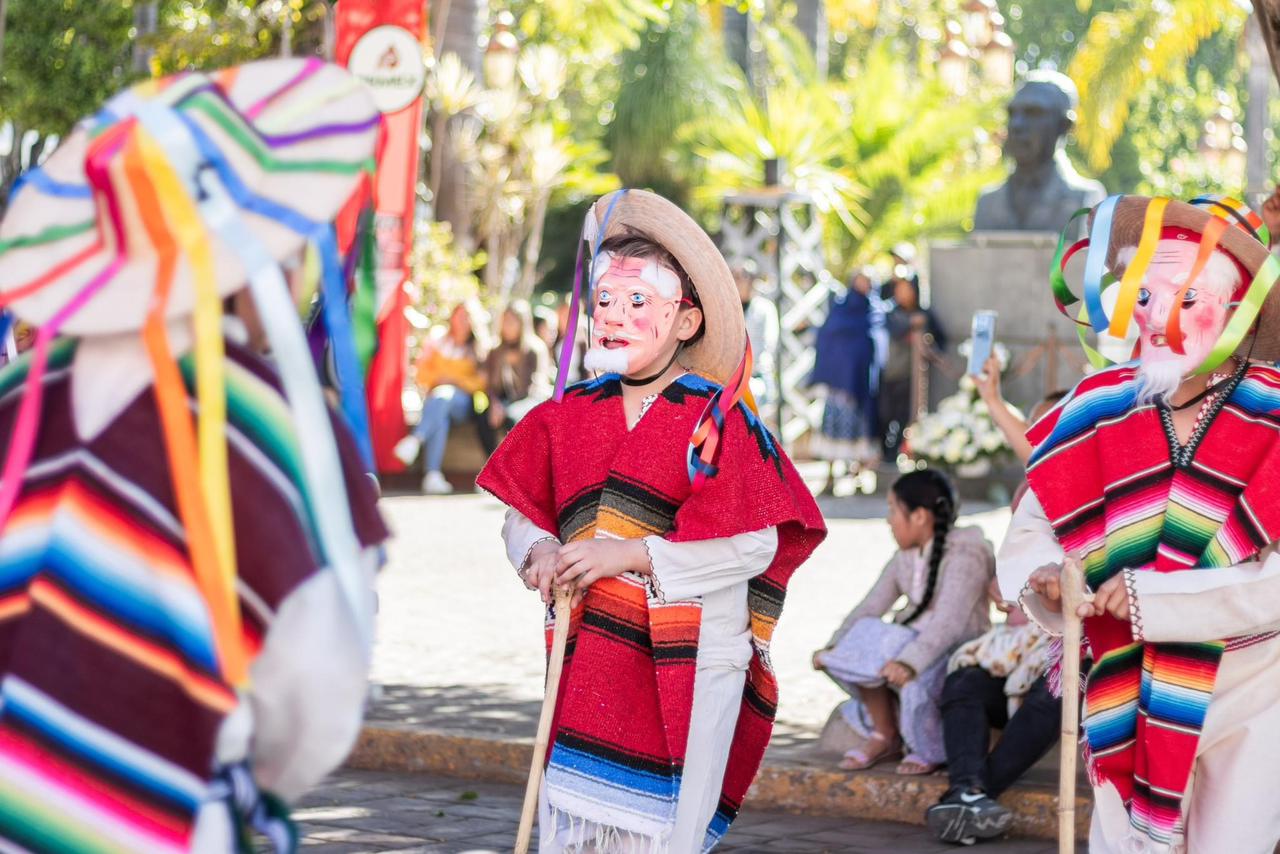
column 789, row 781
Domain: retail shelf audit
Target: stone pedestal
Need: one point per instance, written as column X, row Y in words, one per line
column 1008, row 272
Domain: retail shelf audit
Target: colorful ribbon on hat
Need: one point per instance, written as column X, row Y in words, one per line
column 200, row 486
column 1238, row 212
column 23, row 439
column 203, row 495
column 333, row 289
column 704, row 444
column 324, row 487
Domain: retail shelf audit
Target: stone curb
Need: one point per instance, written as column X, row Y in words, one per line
column 785, row 786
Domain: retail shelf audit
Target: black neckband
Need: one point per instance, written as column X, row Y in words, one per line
column 1207, row 391
column 646, row 380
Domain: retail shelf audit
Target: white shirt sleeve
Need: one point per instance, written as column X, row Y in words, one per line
column 520, row 535
column 1196, row 605
column 689, row 569
column 308, row 686
column 1029, row 545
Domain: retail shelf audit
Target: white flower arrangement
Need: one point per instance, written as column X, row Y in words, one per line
column 961, row 431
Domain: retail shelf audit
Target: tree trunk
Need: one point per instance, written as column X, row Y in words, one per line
column 1268, row 14
column 533, row 248
column 145, row 19
column 463, row 21
column 1256, row 120
column 735, row 34
column 811, row 21
column 4, row 10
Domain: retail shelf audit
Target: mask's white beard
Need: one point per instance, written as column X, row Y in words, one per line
column 1158, row 380
column 602, row 361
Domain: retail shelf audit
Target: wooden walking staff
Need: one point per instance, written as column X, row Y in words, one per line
column 555, row 664
column 1074, row 595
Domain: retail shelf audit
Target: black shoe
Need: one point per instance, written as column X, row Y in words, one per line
column 966, row 817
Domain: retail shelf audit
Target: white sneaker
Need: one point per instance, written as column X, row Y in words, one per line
column 406, row 450
column 435, row 484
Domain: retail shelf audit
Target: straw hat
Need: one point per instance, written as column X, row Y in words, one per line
column 717, row 354
column 1126, row 230
column 311, row 121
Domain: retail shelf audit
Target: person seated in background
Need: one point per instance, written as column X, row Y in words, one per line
column 996, row 680
column 943, row 571
column 448, row 372
column 515, row 375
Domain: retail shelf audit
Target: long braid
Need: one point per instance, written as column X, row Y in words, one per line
column 944, row 515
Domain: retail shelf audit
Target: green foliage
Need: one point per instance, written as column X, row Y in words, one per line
column 674, row 74
column 1124, row 51
column 444, row 274
column 885, row 151
column 918, row 153
column 208, row 34
column 62, row 59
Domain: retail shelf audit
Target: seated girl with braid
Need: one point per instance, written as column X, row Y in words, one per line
column 894, row 670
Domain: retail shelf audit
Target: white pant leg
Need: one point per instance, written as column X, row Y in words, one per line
column 1234, row 806
column 717, row 698
column 1110, row 825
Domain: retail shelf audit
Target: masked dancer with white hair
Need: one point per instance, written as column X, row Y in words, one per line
column 655, row 492
column 1160, row 476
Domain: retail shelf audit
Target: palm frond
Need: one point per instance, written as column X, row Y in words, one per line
column 1123, row 51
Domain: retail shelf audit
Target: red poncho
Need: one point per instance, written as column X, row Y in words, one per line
column 622, row 719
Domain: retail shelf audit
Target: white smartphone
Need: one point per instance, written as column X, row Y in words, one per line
column 982, row 338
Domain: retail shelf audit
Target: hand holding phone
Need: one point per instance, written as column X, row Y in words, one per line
column 982, row 339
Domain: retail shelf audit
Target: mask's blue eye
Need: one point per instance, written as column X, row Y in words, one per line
column 604, row 297
column 1189, row 297
column 638, row 300
column 1144, row 296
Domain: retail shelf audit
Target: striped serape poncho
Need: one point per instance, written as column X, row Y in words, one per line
column 1103, row 470
column 111, row 702
column 622, row 722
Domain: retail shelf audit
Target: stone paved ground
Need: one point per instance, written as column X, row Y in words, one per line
column 455, row 619
column 361, row 811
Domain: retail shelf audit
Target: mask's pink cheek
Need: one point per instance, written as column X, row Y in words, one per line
column 642, row 323
column 1206, row 320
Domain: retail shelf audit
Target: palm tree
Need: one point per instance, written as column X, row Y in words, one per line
column 1125, row 50
column 675, row 73
column 456, row 32
column 887, row 153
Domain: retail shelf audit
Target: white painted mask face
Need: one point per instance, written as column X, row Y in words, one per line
column 637, row 303
column 1203, row 313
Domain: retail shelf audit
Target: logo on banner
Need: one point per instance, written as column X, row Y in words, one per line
column 389, row 61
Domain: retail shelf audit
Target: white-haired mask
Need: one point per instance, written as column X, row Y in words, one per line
column 636, row 305
column 1203, row 312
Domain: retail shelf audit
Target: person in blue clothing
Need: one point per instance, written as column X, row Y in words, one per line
column 848, row 356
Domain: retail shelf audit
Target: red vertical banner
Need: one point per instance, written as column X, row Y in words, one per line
column 381, row 42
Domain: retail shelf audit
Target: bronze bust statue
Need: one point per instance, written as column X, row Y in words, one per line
column 1044, row 189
